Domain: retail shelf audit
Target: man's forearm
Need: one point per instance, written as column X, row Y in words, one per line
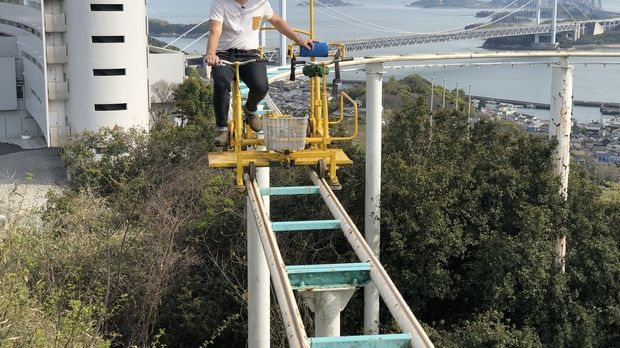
column 214, row 39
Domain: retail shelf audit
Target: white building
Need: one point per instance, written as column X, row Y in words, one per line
column 72, row 65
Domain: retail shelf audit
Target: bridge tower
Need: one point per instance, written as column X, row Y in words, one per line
column 538, row 19
column 554, row 23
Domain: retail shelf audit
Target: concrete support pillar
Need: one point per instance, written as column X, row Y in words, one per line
column 372, row 223
column 327, row 305
column 560, row 128
column 259, row 307
column 283, row 46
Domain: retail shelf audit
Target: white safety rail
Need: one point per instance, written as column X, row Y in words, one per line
column 293, row 324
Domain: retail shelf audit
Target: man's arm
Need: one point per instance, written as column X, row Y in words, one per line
column 215, row 31
column 283, row 27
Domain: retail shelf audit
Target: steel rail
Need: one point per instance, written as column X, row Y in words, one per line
column 389, row 293
column 295, row 331
column 466, row 56
column 477, row 65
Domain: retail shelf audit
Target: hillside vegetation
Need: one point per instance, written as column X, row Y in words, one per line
column 147, row 249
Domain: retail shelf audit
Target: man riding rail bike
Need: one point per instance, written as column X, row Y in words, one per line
column 235, row 27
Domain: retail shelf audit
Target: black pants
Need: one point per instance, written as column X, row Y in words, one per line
column 254, row 75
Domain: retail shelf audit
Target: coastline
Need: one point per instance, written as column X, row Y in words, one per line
column 596, row 46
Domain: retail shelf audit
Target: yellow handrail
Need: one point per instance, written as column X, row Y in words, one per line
column 344, row 96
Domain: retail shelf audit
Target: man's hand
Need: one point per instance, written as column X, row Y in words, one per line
column 305, row 43
column 213, row 59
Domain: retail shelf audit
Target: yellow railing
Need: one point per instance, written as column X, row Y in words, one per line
column 344, row 96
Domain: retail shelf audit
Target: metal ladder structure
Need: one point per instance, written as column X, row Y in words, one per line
column 327, row 288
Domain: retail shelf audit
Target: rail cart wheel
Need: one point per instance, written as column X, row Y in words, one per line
column 252, row 171
column 321, row 169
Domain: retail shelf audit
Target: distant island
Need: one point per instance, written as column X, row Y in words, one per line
column 162, row 28
column 459, row 4
column 609, row 39
column 329, row 3
column 449, row 4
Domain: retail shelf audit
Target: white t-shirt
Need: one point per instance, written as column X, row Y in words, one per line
column 241, row 25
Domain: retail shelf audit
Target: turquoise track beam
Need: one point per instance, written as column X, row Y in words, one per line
column 290, row 191
column 315, row 225
column 369, row 341
column 341, row 275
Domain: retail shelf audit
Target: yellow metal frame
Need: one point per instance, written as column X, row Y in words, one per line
column 317, row 142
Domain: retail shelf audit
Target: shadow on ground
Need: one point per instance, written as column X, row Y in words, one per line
column 36, row 167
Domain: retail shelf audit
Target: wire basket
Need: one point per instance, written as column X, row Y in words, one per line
column 285, row 133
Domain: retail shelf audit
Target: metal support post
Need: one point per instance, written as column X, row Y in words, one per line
column 560, row 128
column 469, row 105
column 444, row 94
column 430, row 133
column 259, row 307
column 283, row 46
column 262, row 38
column 456, row 104
column 327, row 305
column 554, row 29
column 432, row 95
column 372, row 226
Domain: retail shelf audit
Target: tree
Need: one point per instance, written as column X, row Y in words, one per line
column 162, row 103
column 481, row 208
column 194, row 99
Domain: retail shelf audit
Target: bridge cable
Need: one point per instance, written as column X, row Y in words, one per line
column 391, row 30
column 580, row 10
column 502, row 18
column 367, row 25
column 567, row 11
column 187, row 32
column 195, row 41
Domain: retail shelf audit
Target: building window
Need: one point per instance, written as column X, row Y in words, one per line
column 108, row 39
column 109, row 72
column 28, row 3
column 110, row 107
column 21, row 26
column 106, row 7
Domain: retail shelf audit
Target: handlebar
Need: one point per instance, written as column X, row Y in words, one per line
column 245, row 62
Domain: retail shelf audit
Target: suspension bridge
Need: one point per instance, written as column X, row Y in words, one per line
column 581, row 17
column 576, row 29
